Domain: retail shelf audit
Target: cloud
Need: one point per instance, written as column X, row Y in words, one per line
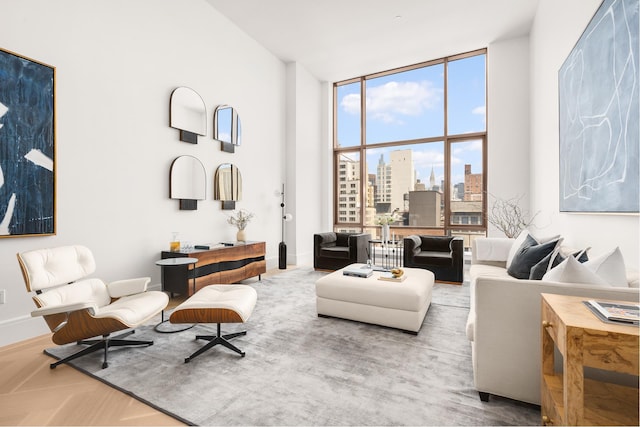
column 351, row 103
column 482, row 110
column 393, row 100
column 465, row 147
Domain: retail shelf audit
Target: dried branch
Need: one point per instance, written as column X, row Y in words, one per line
column 507, row 216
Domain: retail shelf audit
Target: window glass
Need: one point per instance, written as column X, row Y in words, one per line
column 348, row 115
column 406, row 105
column 467, row 188
column 406, row 181
column 418, row 170
column 348, row 187
column 466, row 95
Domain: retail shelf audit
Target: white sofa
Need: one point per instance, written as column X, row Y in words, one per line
column 504, row 324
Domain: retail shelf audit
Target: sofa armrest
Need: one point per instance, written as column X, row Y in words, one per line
column 359, row 247
column 506, row 331
column 457, row 250
column 321, row 240
column 64, row 308
column 121, row 288
column 491, row 250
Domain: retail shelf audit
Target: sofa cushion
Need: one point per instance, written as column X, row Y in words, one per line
column 342, row 239
column 529, row 254
column 436, row 243
column 487, row 271
column 335, row 252
column 433, row 258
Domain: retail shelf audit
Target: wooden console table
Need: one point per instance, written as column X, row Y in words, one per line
column 568, row 398
column 217, row 265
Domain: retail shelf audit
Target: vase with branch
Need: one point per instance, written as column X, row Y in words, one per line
column 240, row 219
column 385, row 220
column 507, row 216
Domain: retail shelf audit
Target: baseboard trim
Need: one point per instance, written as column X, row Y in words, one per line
column 21, row 328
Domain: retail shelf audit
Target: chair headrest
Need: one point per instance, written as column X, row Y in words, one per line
column 46, row 268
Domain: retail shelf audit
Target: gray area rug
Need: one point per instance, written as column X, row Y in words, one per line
column 300, row 369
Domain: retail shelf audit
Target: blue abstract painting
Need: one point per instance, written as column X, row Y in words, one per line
column 599, row 114
column 27, row 146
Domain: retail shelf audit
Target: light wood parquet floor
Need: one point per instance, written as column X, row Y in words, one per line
column 33, row 394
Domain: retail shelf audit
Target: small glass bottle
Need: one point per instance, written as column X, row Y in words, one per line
column 174, row 245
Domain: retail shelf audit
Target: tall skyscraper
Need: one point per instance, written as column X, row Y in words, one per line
column 403, row 177
column 348, row 189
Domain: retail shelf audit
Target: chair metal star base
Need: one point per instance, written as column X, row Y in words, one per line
column 215, row 340
column 102, row 344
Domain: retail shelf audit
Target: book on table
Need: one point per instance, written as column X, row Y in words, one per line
column 391, row 278
column 616, row 312
column 358, row 271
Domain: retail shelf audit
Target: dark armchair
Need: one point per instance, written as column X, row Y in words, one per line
column 332, row 251
column 443, row 255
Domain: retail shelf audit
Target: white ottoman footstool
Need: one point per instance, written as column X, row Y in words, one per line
column 217, row 304
column 400, row 305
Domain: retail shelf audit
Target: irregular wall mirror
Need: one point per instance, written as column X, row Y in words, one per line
column 188, row 182
column 227, row 185
column 188, row 114
column 227, row 128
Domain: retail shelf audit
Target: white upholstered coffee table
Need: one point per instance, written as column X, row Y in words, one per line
column 400, row 305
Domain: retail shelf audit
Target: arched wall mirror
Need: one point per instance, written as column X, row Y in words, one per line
column 227, row 185
column 188, row 113
column 188, row 182
column 227, row 128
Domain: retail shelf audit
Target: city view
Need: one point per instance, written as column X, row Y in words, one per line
column 419, row 146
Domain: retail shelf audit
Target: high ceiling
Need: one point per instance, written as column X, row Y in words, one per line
column 340, row 39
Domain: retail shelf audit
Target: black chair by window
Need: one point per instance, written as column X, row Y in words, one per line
column 333, row 251
column 443, row 255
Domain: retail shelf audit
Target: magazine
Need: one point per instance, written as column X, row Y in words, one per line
column 390, row 278
column 356, row 271
column 616, row 312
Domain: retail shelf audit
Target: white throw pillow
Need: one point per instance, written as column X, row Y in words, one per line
column 573, row 271
column 610, row 267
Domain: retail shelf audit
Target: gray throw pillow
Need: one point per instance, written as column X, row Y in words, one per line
column 528, row 255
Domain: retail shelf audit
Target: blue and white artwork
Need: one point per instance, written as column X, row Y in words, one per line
column 27, row 147
column 599, row 115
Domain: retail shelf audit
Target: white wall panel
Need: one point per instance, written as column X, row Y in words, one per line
column 117, row 62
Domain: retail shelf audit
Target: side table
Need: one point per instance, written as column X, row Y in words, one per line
column 568, row 398
column 389, row 252
column 173, row 263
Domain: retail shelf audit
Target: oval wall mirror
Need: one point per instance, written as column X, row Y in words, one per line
column 227, row 185
column 188, row 114
column 227, row 128
column 187, row 182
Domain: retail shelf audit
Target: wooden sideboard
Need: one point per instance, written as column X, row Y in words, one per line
column 568, row 398
column 219, row 264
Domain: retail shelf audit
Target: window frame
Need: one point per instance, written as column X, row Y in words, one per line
column 448, row 140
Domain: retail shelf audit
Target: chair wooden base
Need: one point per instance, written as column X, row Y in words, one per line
column 102, row 344
column 215, row 340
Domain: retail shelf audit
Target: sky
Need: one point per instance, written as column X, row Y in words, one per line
column 410, row 105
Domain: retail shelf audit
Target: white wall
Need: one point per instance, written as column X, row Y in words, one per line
column 508, row 122
column 556, row 29
column 117, row 62
column 305, row 147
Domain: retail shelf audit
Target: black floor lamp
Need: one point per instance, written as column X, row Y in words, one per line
column 282, row 249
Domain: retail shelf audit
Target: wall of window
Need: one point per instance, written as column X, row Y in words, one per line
column 410, row 145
